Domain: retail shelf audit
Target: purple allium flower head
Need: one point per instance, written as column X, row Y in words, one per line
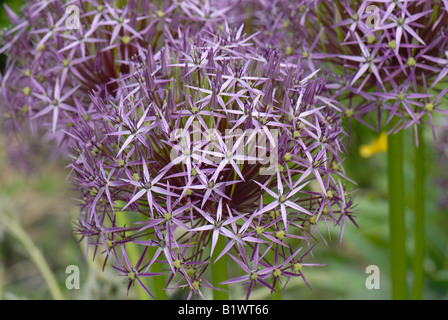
column 365, row 47
column 395, row 56
column 218, row 140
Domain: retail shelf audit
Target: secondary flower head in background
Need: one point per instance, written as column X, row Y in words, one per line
column 51, row 69
column 379, row 55
column 220, row 140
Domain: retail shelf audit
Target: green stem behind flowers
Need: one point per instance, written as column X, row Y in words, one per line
column 397, row 216
column 36, row 255
column 219, row 271
column 276, row 295
column 158, row 282
column 419, row 208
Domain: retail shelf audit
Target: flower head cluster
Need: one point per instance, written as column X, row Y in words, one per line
column 217, row 142
column 382, row 57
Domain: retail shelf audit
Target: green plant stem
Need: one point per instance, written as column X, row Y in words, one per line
column 36, row 255
column 419, row 210
column 219, row 271
column 397, row 230
column 276, row 295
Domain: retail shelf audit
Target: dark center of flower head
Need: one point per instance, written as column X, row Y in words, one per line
column 282, row 199
column 400, row 21
column 148, row 185
column 355, row 17
column 211, row 185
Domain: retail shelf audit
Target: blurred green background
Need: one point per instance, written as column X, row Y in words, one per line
column 41, row 203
